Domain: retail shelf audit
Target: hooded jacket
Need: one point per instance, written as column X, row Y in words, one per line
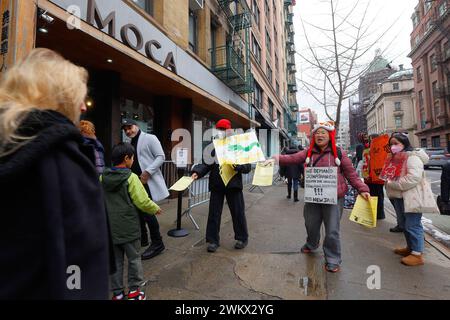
column 346, row 168
column 53, row 215
column 414, row 174
column 124, row 195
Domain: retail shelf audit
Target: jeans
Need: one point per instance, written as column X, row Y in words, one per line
column 295, row 182
column 412, row 225
column 135, row 271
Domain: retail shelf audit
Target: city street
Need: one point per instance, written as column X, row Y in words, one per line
column 271, row 267
column 434, row 176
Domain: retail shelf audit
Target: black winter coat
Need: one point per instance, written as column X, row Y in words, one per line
column 294, row 171
column 52, row 215
column 215, row 180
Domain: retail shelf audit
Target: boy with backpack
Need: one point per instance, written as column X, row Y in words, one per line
column 124, row 196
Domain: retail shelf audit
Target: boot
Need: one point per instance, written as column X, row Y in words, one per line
column 403, row 251
column 413, row 260
column 296, row 196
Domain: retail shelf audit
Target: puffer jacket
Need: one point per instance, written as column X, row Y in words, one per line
column 347, row 171
column 414, row 175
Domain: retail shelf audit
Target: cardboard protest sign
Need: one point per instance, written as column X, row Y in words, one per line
column 321, row 185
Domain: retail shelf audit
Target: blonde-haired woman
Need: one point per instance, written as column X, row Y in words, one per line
column 53, row 234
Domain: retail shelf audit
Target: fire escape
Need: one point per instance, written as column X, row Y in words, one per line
column 292, row 106
column 231, row 62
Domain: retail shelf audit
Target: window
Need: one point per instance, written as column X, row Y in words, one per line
column 437, row 110
column 433, row 62
column 423, row 143
column 256, row 12
column 421, row 98
column 268, row 44
column 442, row 8
column 269, row 72
column 192, row 31
column 278, row 89
column 436, row 141
column 435, row 91
column 256, row 49
column 419, row 74
column 257, row 95
column 279, row 118
column 429, row 25
column 423, row 120
column 396, row 86
column 147, row 5
column 415, row 20
column 446, row 50
column 271, row 110
column 398, row 122
column 427, row 6
column 398, row 106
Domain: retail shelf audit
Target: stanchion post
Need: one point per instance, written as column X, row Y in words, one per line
column 179, row 232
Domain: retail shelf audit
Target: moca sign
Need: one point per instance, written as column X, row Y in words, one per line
column 130, row 35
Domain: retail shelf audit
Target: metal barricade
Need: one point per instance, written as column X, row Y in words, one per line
column 198, row 193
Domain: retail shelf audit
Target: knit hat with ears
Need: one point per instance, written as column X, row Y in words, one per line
column 329, row 126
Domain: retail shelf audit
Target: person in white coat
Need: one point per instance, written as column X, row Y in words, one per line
column 406, row 175
column 148, row 160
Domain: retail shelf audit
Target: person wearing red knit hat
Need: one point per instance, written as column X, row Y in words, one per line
column 232, row 191
column 323, row 152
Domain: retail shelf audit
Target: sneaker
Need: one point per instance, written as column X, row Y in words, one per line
column 212, row 247
column 120, row 296
column 240, row 244
column 331, row 267
column 305, row 249
column 137, row 295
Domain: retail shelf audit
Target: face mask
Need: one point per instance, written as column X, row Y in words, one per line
column 396, row 148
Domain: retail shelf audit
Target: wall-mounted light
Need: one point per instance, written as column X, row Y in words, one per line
column 109, row 61
column 43, row 30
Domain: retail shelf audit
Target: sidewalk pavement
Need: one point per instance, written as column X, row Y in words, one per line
column 271, row 267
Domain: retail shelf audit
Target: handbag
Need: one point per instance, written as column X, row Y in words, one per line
column 420, row 199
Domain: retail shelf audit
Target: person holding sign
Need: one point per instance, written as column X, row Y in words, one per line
column 224, row 181
column 326, row 169
column 404, row 174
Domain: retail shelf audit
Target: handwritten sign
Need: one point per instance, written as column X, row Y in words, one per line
column 379, row 149
column 321, row 185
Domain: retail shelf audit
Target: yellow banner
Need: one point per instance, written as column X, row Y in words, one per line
column 227, row 173
column 365, row 212
column 182, row 184
column 263, row 175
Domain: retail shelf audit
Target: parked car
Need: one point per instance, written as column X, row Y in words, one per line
column 438, row 157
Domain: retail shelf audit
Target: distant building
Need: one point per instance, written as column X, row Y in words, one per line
column 392, row 108
column 430, row 54
column 306, row 121
column 378, row 71
column 343, row 134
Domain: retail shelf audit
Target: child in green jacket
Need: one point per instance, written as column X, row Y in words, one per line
column 124, row 195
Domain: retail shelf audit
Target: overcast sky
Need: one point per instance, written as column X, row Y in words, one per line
column 383, row 12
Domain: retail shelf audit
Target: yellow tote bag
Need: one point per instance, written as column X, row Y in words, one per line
column 365, row 212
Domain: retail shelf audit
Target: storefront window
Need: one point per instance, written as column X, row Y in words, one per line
column 142, row 113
